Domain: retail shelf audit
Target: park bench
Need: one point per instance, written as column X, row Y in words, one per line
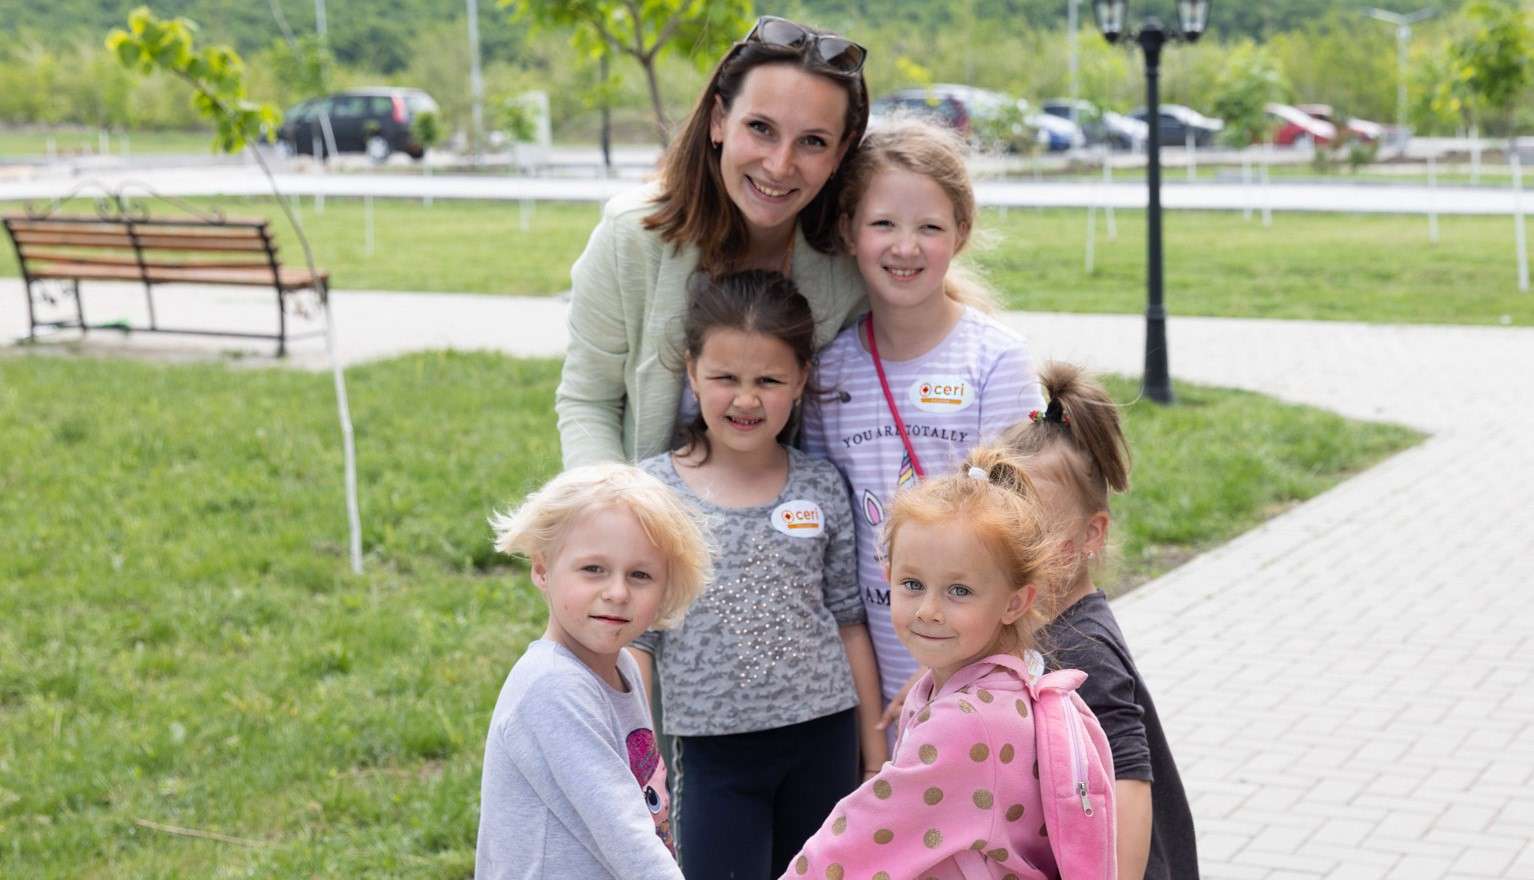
column 123, row 246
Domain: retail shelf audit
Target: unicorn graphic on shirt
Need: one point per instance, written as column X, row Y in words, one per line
column 650, row 771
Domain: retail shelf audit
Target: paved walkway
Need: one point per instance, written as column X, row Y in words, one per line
column 1346, row 197
column 1350, row 686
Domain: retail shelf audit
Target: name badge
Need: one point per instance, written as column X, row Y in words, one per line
column 941, row 394
column 799, row 519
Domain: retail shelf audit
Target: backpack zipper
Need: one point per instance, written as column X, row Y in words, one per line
column 1078, row 755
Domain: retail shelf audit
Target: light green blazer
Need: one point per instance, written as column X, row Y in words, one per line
column 618, row 394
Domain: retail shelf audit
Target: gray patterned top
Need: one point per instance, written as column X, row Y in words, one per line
column 760, row 648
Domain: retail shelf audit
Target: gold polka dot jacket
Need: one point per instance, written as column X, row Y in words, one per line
column 998, row 774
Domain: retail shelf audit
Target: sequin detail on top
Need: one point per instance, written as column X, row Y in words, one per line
column 760, row 648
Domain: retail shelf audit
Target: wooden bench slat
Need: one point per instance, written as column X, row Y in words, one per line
column 155, row 242
column 292, row 279
column 37, row 257
column 229, row 227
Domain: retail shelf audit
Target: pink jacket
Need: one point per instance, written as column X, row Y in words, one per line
column 997, row 775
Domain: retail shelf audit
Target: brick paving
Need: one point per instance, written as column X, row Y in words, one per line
column 1350, row 686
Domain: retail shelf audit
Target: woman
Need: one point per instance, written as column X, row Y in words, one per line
column 751, row 182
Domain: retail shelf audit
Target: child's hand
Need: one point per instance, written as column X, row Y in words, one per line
column 892, row 711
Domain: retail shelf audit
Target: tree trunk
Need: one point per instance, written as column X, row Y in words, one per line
column 661, row 126
column 607, row 121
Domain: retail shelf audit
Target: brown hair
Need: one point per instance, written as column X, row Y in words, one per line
column 753, row 301
column 693, row 206
column 1078, row 436
column 935, row 152
column 1002, row 508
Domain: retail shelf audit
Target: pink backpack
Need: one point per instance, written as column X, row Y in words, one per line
column 1075, row 781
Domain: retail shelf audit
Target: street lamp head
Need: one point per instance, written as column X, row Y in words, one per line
column 1110, row 18
column 1192, row 18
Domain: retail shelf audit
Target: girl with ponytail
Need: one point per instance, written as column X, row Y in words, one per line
column 1075, row 454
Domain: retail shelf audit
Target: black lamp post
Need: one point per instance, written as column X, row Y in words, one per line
column 1192, row 16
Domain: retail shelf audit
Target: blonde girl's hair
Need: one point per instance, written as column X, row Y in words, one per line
column 937, row 153
column 542, row 522
column 1077, row 439
column 993, row 497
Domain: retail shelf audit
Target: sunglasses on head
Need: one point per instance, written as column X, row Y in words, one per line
column 838, row 53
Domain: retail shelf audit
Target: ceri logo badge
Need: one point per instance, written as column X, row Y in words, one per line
column 798, row 519
column 942, row 394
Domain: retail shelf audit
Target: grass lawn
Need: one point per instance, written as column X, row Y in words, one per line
column 181, row 644
column 468, row 246
column 1320, row 266
column 87, row 142
column 1315, row 266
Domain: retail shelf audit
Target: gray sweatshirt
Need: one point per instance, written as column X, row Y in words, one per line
column 573, row 786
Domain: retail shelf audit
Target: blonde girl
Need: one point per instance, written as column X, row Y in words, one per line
column 928, row 373
column 573, row 784
column 996, row 772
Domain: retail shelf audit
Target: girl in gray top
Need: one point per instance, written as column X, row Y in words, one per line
column 573, row 786
column 761, row 680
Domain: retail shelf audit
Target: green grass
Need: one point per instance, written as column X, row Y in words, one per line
column 468, row 246
column 1220, row 462
column 181, row 642
column 1371, row 267
column 1351, row 267
column 16, row 143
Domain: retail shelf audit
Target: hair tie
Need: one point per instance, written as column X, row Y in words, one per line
column 1052, row 413
column 979, row 473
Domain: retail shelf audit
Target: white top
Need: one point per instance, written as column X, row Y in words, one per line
column 971, row 386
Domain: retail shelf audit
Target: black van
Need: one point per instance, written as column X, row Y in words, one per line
column 375, row 121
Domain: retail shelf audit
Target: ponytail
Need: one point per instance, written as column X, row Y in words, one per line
column 1082, row 422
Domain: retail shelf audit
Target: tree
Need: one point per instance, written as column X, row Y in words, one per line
column 216, row 76
column 1490, row 61
column 642, row 30
column 1251, row 80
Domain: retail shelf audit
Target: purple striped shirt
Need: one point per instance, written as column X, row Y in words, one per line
column 977, row 382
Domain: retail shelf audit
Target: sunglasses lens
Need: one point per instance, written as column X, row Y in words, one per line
column 841, row 54
column 781, row 33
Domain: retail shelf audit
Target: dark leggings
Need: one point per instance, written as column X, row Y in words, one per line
column 747, row 802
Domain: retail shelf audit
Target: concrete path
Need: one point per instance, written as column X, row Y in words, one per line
column 1349, row 687
column 1280, row 196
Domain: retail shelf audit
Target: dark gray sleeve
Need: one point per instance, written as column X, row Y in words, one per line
column 1110, row 692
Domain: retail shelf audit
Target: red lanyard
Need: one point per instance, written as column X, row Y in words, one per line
column 873, row 349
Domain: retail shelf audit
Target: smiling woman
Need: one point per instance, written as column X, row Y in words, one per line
column 751, row 181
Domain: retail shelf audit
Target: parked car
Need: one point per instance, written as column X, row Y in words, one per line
column 1177, row 121
column 375, row 121
column 1056, row 133
column 956, row 106
column 987, row 119
column 1097, row 125
column 1360, row 129
column 1299, row 126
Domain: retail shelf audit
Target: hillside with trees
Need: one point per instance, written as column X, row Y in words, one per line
column 54, row 71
